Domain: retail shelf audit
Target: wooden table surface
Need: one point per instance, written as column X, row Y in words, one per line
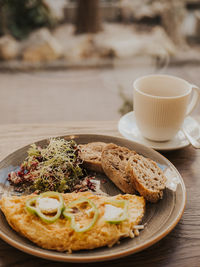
column 179, row 248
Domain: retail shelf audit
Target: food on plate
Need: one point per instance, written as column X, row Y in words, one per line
column 56, row 167
column 132, row 172
column 146, row 177
column 114, row 160
column 91, row 155
column 74, row 221
column 64, row 166
column 48, row 206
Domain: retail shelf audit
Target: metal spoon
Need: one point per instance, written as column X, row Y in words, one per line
column 192, row 140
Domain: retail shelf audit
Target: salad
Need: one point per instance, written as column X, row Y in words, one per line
column 57, row 167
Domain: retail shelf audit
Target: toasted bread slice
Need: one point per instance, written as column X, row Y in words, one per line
column 146, row 177
column 91, row 155
column 114, row 160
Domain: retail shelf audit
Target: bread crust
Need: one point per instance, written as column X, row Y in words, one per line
column 114, row 160
column 91, row 155
column 146, row 177
column 128, row 170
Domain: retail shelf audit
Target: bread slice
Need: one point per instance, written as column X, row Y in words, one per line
column 114, row 160
column 91, row 155
column 146, row 177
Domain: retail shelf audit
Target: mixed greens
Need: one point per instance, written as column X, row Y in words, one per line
column 57, row 167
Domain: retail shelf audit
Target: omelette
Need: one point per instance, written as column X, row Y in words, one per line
column 89, row 221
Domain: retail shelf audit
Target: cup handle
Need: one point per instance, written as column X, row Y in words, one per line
column 194, row 100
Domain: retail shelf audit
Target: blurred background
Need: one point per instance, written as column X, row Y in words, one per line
column 75, row 60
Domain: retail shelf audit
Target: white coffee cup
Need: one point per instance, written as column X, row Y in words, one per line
column 161, row 103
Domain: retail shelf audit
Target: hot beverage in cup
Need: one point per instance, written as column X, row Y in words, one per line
column 161, row 102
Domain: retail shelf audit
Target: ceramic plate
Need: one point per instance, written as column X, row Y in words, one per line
column 128, row 128
column 159, row 218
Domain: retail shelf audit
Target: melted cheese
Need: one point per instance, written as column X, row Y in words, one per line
column 112, row 213
column 48, row 205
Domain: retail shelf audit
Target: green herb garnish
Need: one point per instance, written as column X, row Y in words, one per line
column 54, row 168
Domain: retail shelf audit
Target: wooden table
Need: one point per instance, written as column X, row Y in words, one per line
column 180, row 248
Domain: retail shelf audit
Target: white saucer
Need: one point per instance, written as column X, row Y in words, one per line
column 128, row 128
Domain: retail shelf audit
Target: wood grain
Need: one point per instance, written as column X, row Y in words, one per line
column 180, row 248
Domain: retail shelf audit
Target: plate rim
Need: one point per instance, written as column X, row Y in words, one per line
column 153, row 147
column 74, row 259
